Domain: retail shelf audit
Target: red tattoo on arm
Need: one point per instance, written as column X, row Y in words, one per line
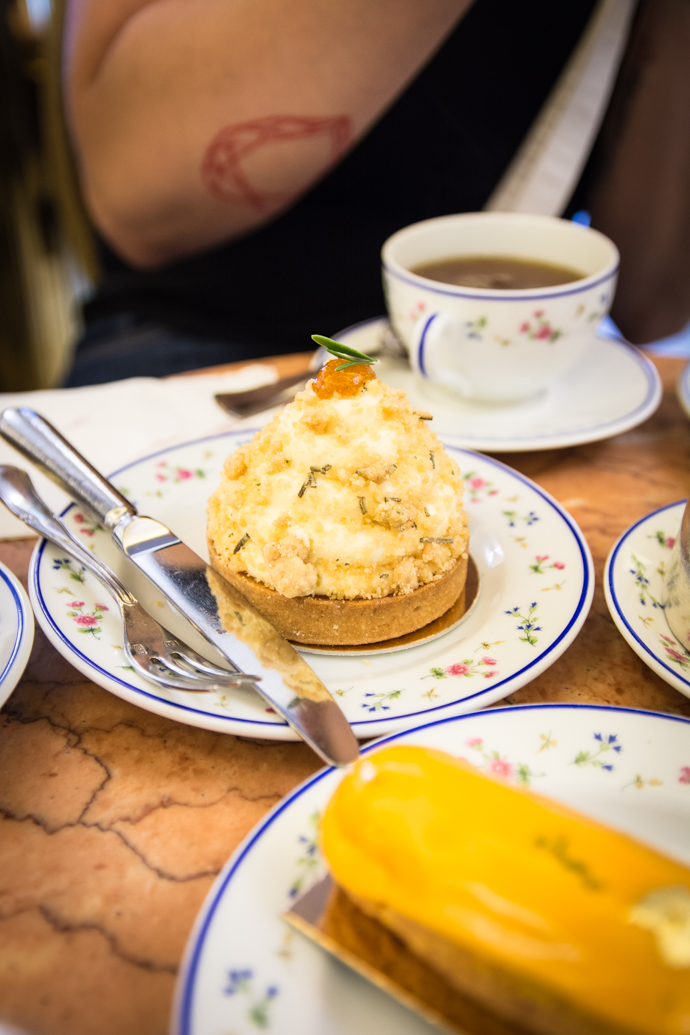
column 222, row 168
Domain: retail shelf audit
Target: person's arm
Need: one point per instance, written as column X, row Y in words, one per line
column 197, row 120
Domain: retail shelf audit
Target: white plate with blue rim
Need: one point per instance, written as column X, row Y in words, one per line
column 683, row 388
column 635, row 589
column 536, row 590
column 612, row 389
column 245, row 970
column 16, row 632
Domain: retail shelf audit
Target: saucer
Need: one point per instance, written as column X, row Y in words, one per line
column 614, row 388
column 634, row 585
column 245, row 970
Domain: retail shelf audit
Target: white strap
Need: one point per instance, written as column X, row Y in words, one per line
column 544, row 172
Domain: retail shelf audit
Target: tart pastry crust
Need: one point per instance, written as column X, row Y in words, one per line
column 322, row 620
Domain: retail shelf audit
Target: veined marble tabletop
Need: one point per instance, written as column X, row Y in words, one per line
column 116, row 821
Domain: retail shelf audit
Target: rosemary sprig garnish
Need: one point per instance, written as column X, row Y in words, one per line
column 432, row 458
column 362, row 504
column 241, row 543
column 437, row 539
column 392, row 499
column 310, row 481
column 350, row 356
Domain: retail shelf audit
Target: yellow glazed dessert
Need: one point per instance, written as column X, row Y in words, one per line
column 556, row 923
column 345, row 499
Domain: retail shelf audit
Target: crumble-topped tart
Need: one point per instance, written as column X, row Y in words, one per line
column 346, row 495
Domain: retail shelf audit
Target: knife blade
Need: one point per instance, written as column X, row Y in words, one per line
column 218, row 611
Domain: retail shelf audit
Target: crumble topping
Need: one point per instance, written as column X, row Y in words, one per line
column 348, row 495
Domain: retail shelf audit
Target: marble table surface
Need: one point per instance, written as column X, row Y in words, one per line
column 115, row 822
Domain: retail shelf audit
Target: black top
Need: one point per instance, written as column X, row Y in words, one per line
column 441, row 148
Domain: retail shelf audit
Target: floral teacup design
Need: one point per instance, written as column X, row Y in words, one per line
column 497, row 345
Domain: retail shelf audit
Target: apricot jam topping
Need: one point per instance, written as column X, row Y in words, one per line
column 344, row 383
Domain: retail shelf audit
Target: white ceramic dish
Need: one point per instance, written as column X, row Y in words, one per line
column 16, row 632
column 497, row 344
column 536, row 590
column 634, row 584
column 246, row 970
column 683, row 389
column 612, row 389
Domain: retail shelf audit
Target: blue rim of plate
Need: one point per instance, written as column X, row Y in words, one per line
column 184, row 996
column 21, row 623
column 616, row 603
column 652, row 396
column 588, row 577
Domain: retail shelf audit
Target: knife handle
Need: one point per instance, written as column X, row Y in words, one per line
column 40, row 443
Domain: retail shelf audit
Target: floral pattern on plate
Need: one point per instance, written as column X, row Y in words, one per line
column 524, row 625
column 477, row 488
column 240, row 937
column 634, row 584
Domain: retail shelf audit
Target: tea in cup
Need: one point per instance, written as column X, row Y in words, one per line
column 497, row 306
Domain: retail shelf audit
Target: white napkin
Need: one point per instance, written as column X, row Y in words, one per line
column 115, row 423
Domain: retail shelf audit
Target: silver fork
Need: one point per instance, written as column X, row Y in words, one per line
column 151, row 650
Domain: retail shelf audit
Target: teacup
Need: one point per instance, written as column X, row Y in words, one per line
column 489, row 344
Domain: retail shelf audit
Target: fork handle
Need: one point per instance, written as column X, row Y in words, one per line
column 39, row 441
column 19, row 496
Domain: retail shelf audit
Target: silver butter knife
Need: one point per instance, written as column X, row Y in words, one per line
column 222, row 615
column 151, row 650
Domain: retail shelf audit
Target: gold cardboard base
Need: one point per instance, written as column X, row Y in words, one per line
column 439, row 627
column 305, row 916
